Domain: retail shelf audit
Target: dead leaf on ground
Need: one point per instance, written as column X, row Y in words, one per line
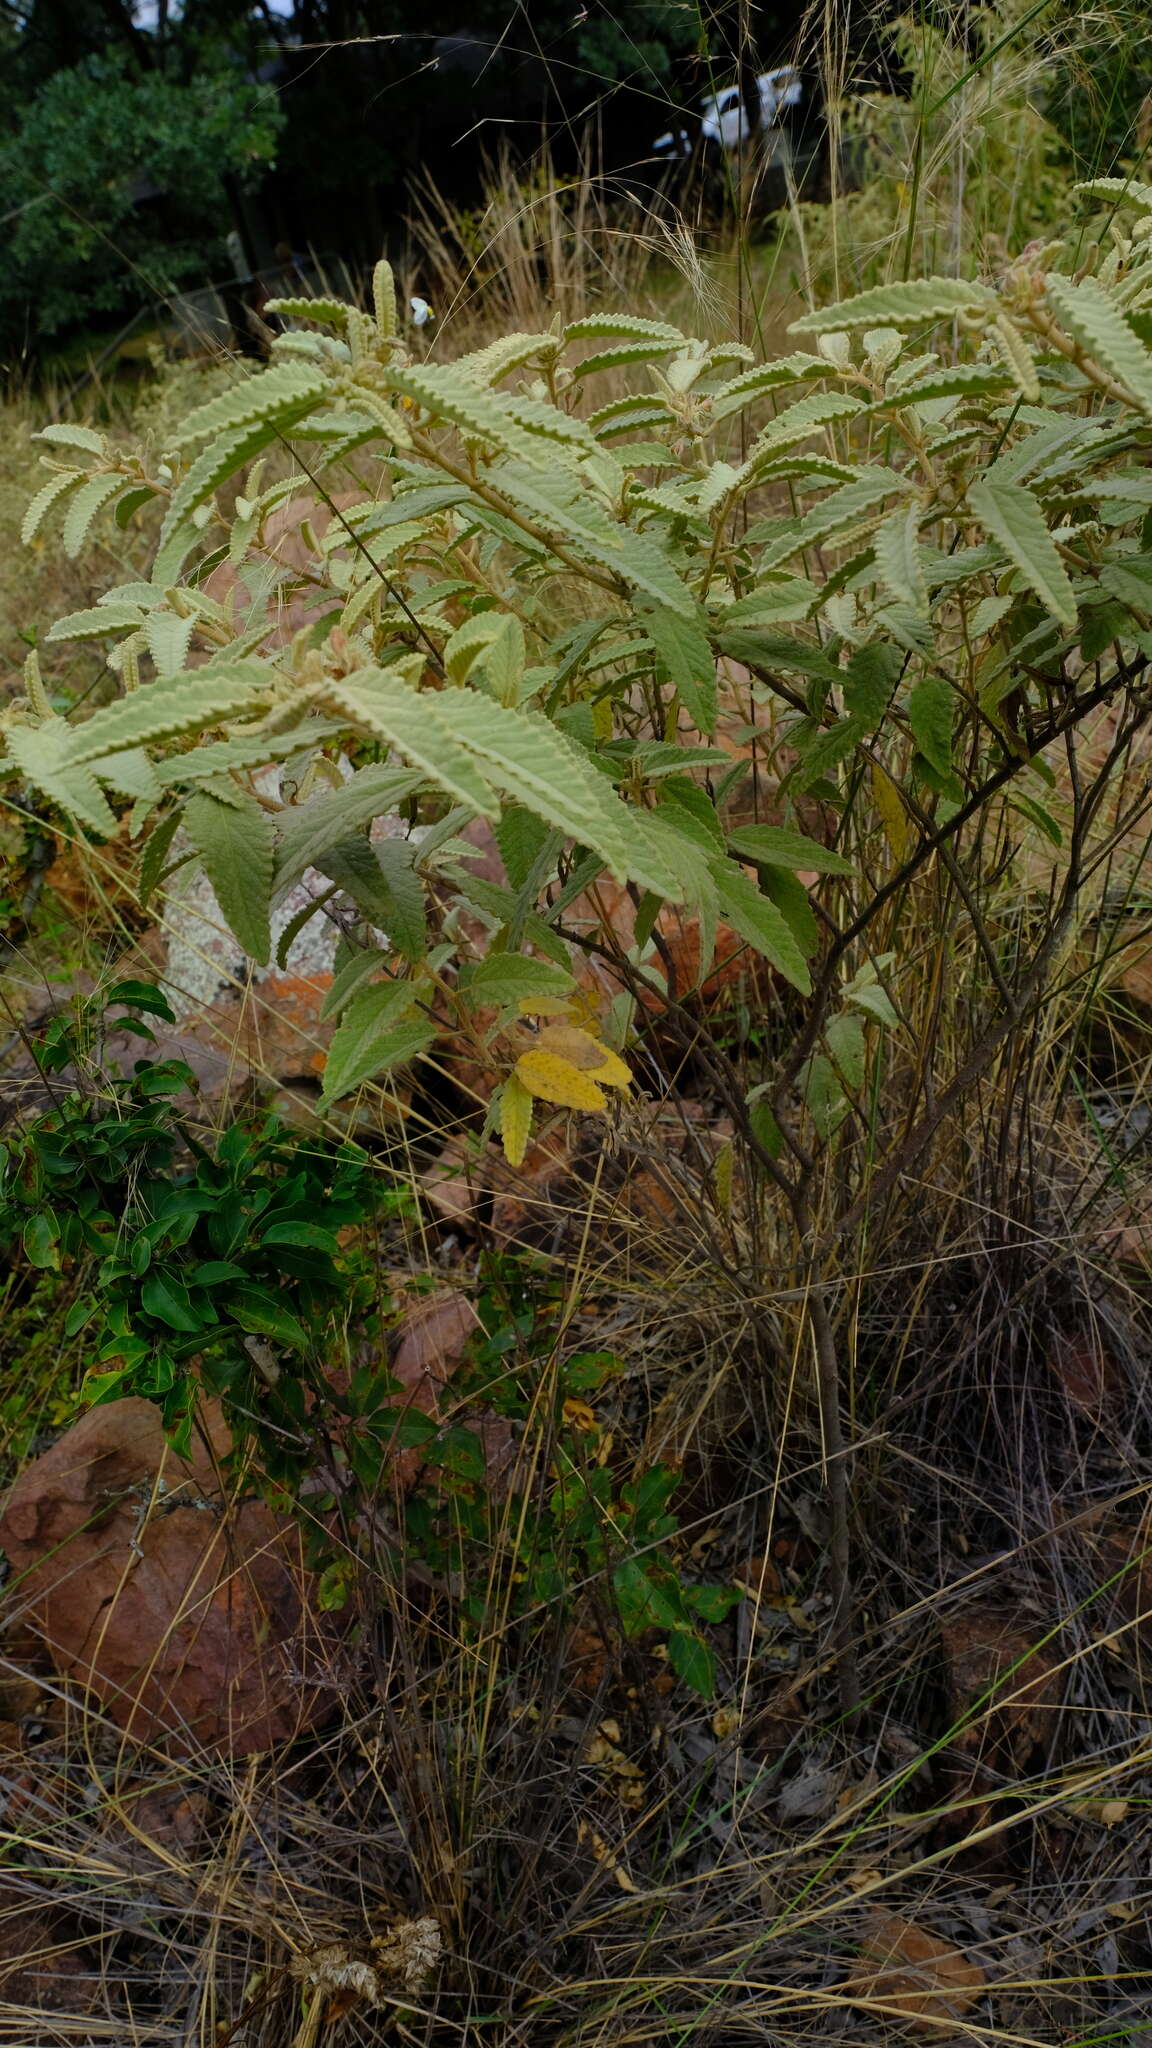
column 925, row 1979
column 991, row 1657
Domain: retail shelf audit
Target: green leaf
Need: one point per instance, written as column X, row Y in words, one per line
column 308, row 1235
column 692, row 1661
column 97, row 624
column 747, row 387
column 172, row 706
column 70, row 434
column 1125, row 191
column 793, row 902
column 381, row 703
column 304, row 831
column 44, row 754
column 44, row 500
column 778, row 847
column 41, row 1241
column 169, row 638
column 1014, row 517
column 377, row 1033
column 446, row 395
column 263, row 1316
column 899, row 563
column 350, row 979
column 761, row 924
column 807, row 417
column 506, row 978
column 931, row 709
column 269, row 396
column 221, row 459
column 622, row 355
column 871, row 676
column 383, row 883
column 167, row 1300
column 643, row 1601
column 236, row 842
column 684, row 649
column 1093, row 319
column 154, row 857
column 911, row 304
column 83, row 507
column 955, row 380
column 581, row 524
column 622, row 326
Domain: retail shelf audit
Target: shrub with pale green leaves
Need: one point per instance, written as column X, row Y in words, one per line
column 921, row 537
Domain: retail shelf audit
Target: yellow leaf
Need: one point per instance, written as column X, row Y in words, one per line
column 557, row 1080
column 515, row 1119
column 544, row 1006
column 581, row 1050
column 579, row 1414
column 898, row 829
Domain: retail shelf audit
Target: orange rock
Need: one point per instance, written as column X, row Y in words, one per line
column 927, row 1980
column 187, row 1614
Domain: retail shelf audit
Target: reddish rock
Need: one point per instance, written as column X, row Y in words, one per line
column 186, row 1613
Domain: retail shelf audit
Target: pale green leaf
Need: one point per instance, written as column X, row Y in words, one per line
column 1125, row 191
column 580, row 523
column 500, row 357
column 745, row 389
column 684, row 648
column 271, row 396
column 46, row 497
column 69, row 434
column 181, row 704
column 42, row 753
column 1015, row 518
column 97, row 624
column 421, row 727
column 84, row 505
column 1093, row 319
column 808, row 416
column 899, row 564
column 223, row 457
column 622, row 355
column 235, row 841
column 446, row 395
column 131, row 773
column 955, row 380
column 622, row 326
column 911, row 304
column 524, row 755
column 169, row 637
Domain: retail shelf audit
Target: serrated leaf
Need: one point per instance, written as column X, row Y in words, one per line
column 761, row 924
column 270, row 396
column 580, row 523
column 446, row 395
column 83, row 507
column 376, row 1034
column 500, row 357
column 1125, row 191
column 221, row 459
column 97, row 624
column 1014, row 517
column 743, row 390
column 43, row 754
column 806, row 417
column 516, row 1108
column 683, row 646
column 383, row 883
column 513, row 978
column 46, row 497
column 774, row 604
column 304, row 831
column 130, row 773
column 235, row 841
column 899, row 564
column 1087, row 313
column 910, row 304
column 524, row 755
column 778, row 847
column 169, row 638
column 69, row 434
column 380, row 702
column 931, row 709
column 154, row 856
column 180, row 704
column 350, row 980
column 226, row 757
column 326, row 312
column 622, row 355
column 553, row 1079
column 869, row 680
column 621, row 326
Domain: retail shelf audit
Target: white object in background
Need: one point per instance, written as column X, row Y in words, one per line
column 421, row 312
column 722, row 113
